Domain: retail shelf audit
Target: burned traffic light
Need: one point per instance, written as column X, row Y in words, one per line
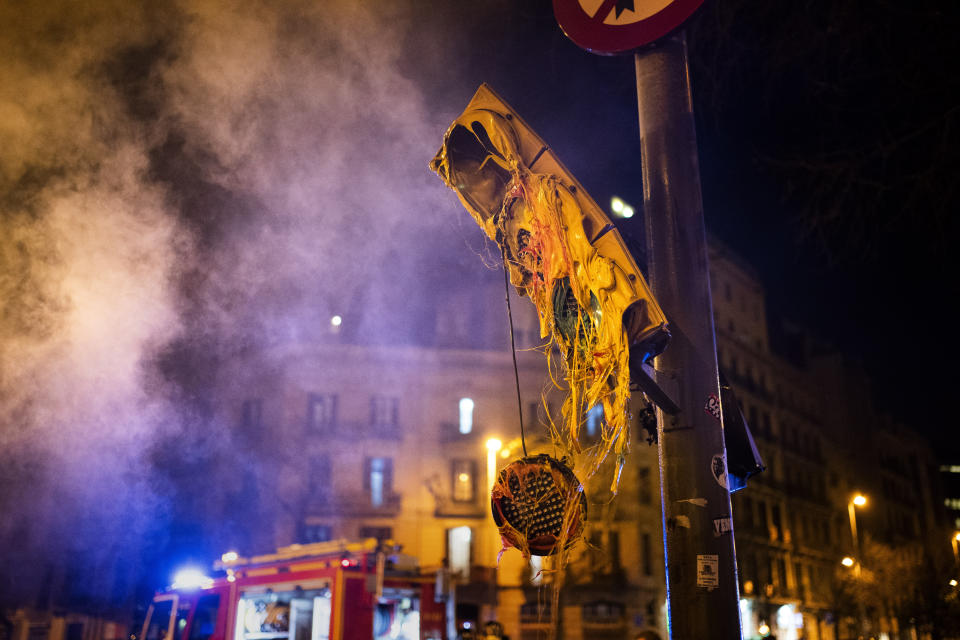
column 561, row 251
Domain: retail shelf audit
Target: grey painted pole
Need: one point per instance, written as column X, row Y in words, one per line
column 702, row 591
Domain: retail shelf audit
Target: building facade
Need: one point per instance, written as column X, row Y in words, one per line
column 810, row 558
column 402, row 442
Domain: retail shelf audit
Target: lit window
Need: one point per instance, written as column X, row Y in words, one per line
column 378, row 480
column 466, row 415
column 594, row 420
column 459, row 541
column 464, row 480
column 536, row 570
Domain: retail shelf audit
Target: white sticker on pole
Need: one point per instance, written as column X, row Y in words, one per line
column 718, row 468
column 708, row 567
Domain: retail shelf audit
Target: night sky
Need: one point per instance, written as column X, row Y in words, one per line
column 828, row 144
column 191, row 181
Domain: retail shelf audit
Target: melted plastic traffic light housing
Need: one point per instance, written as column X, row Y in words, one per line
column 563, row 253
column 538, row 505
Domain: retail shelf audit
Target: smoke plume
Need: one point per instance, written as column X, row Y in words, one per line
column 180, row 183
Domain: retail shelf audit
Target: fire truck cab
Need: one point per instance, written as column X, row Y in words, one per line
column 323, row 591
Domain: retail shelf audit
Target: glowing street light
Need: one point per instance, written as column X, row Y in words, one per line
column 620, row 208
column 847, row 561
column 953, row 582
column 858, row 500
column 493, row 447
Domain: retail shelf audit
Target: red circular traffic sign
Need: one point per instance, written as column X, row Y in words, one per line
column 617, row 26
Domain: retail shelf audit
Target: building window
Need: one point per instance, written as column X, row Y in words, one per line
column 466, row 415
column 383, row 411
column 252, row 413
column 380, row 533
column 646, row 550
column 464, row 474
column 321, row 411
column 378, row 480
column 535, row 612
column 603, row 612
column 319, row 478
column 746, row 512
column 536, row 570
column 459, row 543
column 594, row 421
column 645, row 490
column 316, row 533
column 613, row 547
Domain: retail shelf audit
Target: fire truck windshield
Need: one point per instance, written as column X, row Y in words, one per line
column 158, row 624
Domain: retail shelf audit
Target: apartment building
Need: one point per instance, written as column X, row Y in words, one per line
column 803, row 543
column 346, row 440
column 403, row 442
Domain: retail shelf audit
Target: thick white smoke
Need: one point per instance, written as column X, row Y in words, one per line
column 87, row 256
column 180, row 177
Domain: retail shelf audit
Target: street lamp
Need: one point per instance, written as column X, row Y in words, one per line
column 858, row 500
column 493, row 447
column 956, row 553
column 847, row 561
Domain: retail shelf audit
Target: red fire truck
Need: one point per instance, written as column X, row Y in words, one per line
column 323, row 591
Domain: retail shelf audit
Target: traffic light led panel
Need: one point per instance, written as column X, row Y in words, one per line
column 562, row 252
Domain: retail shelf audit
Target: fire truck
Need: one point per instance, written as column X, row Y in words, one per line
column 323, row 591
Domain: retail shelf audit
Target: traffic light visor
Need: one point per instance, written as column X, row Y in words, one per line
column 478, row 171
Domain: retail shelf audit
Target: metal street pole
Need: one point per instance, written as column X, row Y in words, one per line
column 702, row 589
column 851, row 510
column 858, row 571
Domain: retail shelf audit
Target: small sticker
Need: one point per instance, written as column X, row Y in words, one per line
column 713, row 407
column 721, row 526
column 707, row 571
column 718, row 467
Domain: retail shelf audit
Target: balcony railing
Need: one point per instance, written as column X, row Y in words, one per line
column 357, row 430
column 354, row 504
